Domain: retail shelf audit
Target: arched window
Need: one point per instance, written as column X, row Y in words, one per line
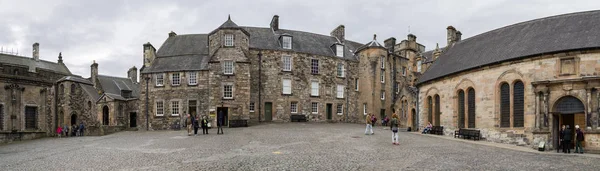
column 471, row 108
column 105, row 115
column 429, row 110
column 504, row 105
column 437, row 110
column 518, row 104
column 461, row 109
column 73, row 88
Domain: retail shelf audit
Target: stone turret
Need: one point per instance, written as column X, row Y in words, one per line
column 94, row 73
column 36, row 51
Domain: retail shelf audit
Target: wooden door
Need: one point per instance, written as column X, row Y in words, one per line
column 328, row 111
column 268, row 111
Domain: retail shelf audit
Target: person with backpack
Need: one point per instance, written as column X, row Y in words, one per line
column 394, row 128
column 369, row 126
column 188, row 124
column 204, row 125
column 196, row 125
column 81, row 127
column 579, row 138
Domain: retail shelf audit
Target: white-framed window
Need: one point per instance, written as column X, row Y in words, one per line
column 340, row 91
column 397, row 87
column 228, row 67
column 192, row 78
column 314, row 108
column 339, row 50
column 160, row 79
column 228, row 39
column 286, row 42
column 228, row 91
column 419, row 66
column 340, row 70
column 340, row 109
column 314, row 88
column 382, row 76
column 160, row 108
column 294, row 107
column 174, row 108
column 364, row 108
column 356, row 84
column 287, row 86
column 175, row 79
column 314, row 66
column 382, row 62
column 251, row 106
column 382, row 95
column 287, row 62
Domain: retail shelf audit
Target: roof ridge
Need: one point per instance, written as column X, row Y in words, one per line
column 527, row 22
column 299, row 31
column 112, row 76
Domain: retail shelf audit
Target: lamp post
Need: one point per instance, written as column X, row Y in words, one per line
column 259, row 85
column 147, row 78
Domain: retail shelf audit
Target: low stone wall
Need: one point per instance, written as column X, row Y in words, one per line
column 592, row 141
column 7, row 136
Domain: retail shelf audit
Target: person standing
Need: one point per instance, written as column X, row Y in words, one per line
column 188, row 124
column 567, row 135
column 66, row 130
column 369, row 126
column 373, row 120
column 74, row 129
column 59, row 131
column 560, row 138
column 580, row 138
column 220, row 121
column 394, row 128
column 204, row 125
column 81, row 128
column 196, row 125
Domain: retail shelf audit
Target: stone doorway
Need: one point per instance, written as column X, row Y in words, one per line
column 570, row 111
column 268, row 111
column 132, row 119
column 223, row 111
column 328, row 111
column 73, row 119
column 105, row 115
column 414, row 120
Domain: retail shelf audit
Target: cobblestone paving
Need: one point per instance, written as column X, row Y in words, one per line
column 288, row 146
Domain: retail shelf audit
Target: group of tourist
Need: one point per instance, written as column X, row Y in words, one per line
column 72, row 131
column 566, row 137
column 195, row 122
column 394, row 122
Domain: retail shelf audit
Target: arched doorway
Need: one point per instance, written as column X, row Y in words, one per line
column 73, row 119
column 567, row 110
column 413, row 115
column 105, row 115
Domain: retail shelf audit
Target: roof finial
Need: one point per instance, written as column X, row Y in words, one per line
column 437, row 46
column 228, row 16
column 374, row 36
column 60, row 57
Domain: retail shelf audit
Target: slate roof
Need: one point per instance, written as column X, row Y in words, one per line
column 114, row 85
column 372, row 44
column 91, row 91
column 189, row 52
column 31, row 63
column 428, row 55
column 546, row 35
column 75, row 78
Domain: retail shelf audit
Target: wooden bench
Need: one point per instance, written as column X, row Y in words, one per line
column 238, row 123
column 298, row 118
column 468, row 134
column 437, row 130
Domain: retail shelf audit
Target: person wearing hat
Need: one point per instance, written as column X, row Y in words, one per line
column 579, row 139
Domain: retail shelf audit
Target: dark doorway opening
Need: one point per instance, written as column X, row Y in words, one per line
column 133, row 119
column 268, row 111
column 192, row 106
column 105, row 115
column 414, row 119
column 382, row 113
column 30, row 117
column 223, row 111
column 73, row 119
column 328, row 111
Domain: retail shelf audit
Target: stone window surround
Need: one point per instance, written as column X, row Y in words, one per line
column 314, row 108
column 192, row 80
column 314, row 66
column 175, row 79
column 341, row 70
column 419, row 63
column 340, row 91
column 365, row 109
column 160, row 81
column 356, row 84
column 382, row 94
column 287, row 66
column 339, row 109
column 251, row 106
column 156, row 102
column 228, row 40
column 382, row 60
column 226, row 70
column 73, row 87
column 559, row 66
column 511, row 85
column 37, row 116
column 317, row 87
column 173, row 111
column 223, row 90
column 294, row 107
column 286, row 42
column 283, row 86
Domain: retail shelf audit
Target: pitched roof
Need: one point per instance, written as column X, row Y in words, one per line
column 372, row 44
column 189, row 52
column 75, row 78
column 32, row 63
column 91, row 91
column 228, row 23
column 546, row 35
column 428, row 55
column 114, row 85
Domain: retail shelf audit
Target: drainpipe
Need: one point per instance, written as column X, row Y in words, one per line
column 417, row 109
column 259, row 85
column 147, row 78
column 347, row 92
column 55, row 106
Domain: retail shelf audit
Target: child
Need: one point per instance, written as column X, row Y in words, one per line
column 394, row 128
column 59, row 131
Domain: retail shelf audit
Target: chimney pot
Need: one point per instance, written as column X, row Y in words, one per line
column 171, row 34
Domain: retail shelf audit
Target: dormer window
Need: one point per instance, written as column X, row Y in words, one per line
column 339, row 50
column 228, row 39
column 286, row 42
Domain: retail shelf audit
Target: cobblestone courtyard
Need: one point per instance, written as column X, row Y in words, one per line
column 288, row 146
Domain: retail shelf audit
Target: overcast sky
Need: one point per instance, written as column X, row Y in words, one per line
column 112, row 32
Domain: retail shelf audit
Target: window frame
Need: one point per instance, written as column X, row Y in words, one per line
column 341, row 70
column 314, row 66
column 193, row 76
column 224, row 90
column 229, row 40
column 162, row 108
column 340, row 91
column 287, row 63
column 382, row 76
column 382, row 62
column 356, row 85
column 225, row 69
column 251, row 106
column 339, row 50
column 314, row 107
column 175, row 106
column 382, row 95
column 364, row 108
column 173, row 80
column 339, row 109
column 293, row 107
column 283, row 42
column 314, row 93
column 419, row 63
column 289, row 86
column 159, row 79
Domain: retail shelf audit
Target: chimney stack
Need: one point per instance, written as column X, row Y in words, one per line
column 389, row 43
column 132, row 74
column 458, row 36
column 275, row 23
column 412, row 38
column 171, row 34
column 149, row 54
column 94, row 73
column 339, row 32
column 36, row 51
column 451, row 35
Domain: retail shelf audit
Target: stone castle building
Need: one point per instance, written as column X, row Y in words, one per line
column 519, row 83
column 269, row 74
